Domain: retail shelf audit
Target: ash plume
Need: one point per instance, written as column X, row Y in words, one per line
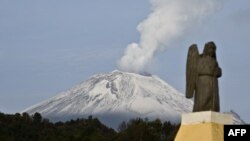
column 168, row 21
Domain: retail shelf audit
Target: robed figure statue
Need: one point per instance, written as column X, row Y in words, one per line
column 202, row 73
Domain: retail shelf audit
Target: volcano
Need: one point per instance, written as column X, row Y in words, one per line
column 115, row 97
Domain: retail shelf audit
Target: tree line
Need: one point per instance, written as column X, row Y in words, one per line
column 25, row 127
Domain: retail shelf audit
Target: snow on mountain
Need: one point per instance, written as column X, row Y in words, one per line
column 118, row 96
column 115, row 97
column 236, row 118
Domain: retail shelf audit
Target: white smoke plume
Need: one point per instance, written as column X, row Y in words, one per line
column 169, row 20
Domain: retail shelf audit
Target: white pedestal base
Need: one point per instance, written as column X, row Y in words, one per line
column 203, row 126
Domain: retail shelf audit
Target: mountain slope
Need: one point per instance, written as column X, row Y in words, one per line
column 116, row 96
column 236, row 118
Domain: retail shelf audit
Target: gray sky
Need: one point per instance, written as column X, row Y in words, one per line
column 47, row 46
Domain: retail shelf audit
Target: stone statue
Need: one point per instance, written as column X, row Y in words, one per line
column 202, row 73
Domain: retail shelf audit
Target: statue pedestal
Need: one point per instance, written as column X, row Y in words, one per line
column 203, row 126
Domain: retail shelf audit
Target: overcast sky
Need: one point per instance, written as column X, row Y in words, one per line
column 47, row 46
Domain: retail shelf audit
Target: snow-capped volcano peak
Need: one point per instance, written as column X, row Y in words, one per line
column 117, row 96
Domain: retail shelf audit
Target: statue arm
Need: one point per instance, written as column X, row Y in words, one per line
column 206, row 66
column 218, row 71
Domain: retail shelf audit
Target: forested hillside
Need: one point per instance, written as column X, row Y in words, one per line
column 23, row 127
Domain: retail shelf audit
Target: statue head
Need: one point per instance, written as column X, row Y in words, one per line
column 210, row 49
